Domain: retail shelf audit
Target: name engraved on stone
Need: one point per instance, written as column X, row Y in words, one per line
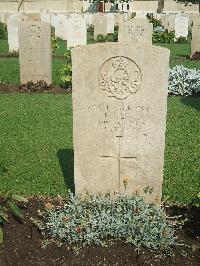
column 119, row 77
column 134, row 31
column 114, row 118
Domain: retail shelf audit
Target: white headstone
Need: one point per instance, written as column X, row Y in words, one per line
column 110, row 22
column 77, row 32
column 12, row 27
column 119, row 118
column 181, row 26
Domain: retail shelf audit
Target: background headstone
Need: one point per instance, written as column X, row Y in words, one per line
column 100, row 25
column 119, row 118
column 110, row 22
column 77, row 32
column 12, row 28
column 35, row 52
column 181, row 26
column 136, row 30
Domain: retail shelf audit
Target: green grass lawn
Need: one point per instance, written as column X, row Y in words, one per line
column 36, row 150
column 9, row 67
column 4, row 49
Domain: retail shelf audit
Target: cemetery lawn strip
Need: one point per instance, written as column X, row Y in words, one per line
column 181, row 169
column 4, row 49
column 9, row 70
column 23, row 245
column 36, row 150
column 36, row 136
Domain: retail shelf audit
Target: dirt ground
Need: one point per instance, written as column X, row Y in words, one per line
column 24, row 245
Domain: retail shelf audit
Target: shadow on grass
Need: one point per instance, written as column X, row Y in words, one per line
column 66, row 159
column 192, row 101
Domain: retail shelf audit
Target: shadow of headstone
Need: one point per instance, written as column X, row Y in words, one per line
column 66, row 159
column 192, row 101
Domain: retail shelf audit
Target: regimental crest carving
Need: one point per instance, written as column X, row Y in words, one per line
column 33, row 34
column 119, row 77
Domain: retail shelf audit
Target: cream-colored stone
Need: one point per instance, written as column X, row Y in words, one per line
column 171, row 22
column 35, row 51
column 136, row 30
column 100, row 24
column 77, row 32
column 181, row 26
column 195, row 45
column 119, row 117
column 12, row 27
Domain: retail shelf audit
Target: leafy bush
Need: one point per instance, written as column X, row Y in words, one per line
column 163, row 37
column 158, row 29
column 181, row 40
column 66, row 72
column 54, row 44
column 101, row 38
column 3, row 30
column 7, row 204
column 196, row 56
column 156, row 22
column 183, row 81
column 39, row 86
column 91, row 29
column 98, row 219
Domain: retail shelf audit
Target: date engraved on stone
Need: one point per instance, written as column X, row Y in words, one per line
column 119, row 77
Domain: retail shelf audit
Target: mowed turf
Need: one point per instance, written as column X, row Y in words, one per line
column 36, row 150
column 9, row 67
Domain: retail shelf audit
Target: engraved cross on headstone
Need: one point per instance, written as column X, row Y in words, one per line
column 119, row 158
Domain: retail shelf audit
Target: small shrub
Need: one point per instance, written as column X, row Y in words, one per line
column 158, row 29
column 183, row 81
column 115, row 34
column 181, row 40
column 196, row 56
column 66, row 72
column 54, row 44
column 163, row 37
column 7, row 204
column 156, row 22
column 91, row 29
column 39, row 86
column 13, row 54
column 99, row 219
column 101, row 38
column 3, row 31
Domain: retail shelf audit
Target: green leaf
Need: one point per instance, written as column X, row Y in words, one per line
column 4, row 216
column 1, row 235
column 15, row 210
column 19, row 198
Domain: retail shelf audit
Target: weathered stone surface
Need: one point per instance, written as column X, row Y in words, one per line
column 171, row 22
column 181, row 26
column 119, row 117
column 77, row 31
column 195, row 45
column 136, row 30
column 12, row 27
column 35, row 51
column 110, row 22
column 100, row 25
